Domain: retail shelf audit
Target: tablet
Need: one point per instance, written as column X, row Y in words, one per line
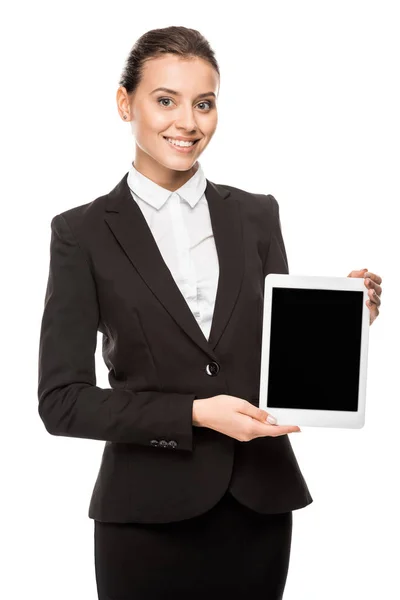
column 314, row 350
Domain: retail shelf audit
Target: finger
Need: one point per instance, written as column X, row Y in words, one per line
column 374, row 298
column 274, row 430
column 375, row 278
column 374, row 311
column 263, row 417
column 357, row 273
column 255, row 412
column 372, row 285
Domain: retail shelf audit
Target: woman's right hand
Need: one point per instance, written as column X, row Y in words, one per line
column 236, row 417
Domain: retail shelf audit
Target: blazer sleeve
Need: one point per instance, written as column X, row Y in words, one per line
column 276, row 260
column 70, row 402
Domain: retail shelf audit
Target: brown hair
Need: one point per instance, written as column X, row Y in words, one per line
column 186, row 43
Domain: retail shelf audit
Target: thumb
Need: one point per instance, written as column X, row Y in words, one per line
column 255, row 412
column 264, row 416
column 359, row 273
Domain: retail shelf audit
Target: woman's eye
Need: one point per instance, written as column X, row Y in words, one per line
column 160, row 100
column 210, row 104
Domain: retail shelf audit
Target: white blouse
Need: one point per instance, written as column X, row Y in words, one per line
column 181, row 226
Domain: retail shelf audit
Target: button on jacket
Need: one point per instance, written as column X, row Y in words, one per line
column 107, row 274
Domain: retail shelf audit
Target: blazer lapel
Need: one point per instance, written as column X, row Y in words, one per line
column 132, row 232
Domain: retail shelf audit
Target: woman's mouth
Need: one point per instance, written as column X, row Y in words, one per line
column 185, row 148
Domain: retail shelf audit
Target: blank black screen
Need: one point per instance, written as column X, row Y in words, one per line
column 314, row 360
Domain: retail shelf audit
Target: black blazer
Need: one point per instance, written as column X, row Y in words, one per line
column 107, row 274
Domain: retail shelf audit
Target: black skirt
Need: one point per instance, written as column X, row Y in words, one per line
column 229, row 550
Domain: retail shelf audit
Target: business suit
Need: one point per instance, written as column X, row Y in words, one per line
column 107, row 274
column 160, row 361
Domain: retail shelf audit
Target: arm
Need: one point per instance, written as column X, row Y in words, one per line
column 70, row 403
column 276, row 260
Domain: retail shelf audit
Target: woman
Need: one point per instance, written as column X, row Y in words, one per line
column 196, row 487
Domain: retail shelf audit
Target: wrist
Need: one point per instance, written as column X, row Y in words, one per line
column 197, row 413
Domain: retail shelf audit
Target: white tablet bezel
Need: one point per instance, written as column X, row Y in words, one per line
column 314, row 418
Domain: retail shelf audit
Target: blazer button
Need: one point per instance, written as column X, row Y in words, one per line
column 163, row 444
column 172, row 444
column 212, row 368
column 154, row 442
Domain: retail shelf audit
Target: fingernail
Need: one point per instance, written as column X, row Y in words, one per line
column 271, row 419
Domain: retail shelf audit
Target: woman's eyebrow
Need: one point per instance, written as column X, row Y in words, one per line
column 169, row 91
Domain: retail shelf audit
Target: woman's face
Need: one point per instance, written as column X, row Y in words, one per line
column 187, row 110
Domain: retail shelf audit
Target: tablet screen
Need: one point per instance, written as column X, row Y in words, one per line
column 315, row 346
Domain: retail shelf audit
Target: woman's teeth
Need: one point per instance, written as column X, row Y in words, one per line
column 179, row 142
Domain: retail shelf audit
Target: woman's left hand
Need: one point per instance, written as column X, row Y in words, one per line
column 372, row 283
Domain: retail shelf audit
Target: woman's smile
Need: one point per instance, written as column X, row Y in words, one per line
column 184, row 149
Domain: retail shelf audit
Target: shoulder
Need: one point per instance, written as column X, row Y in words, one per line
column 89, row 211
column 77, row 221
column 252, row 200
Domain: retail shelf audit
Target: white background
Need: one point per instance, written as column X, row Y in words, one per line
column 309, row 112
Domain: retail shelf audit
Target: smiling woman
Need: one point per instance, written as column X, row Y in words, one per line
column 168, row 92
column 195, row 491
column 183, row 107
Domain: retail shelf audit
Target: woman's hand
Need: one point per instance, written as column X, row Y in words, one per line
column 236, row 418
column 372, row 283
